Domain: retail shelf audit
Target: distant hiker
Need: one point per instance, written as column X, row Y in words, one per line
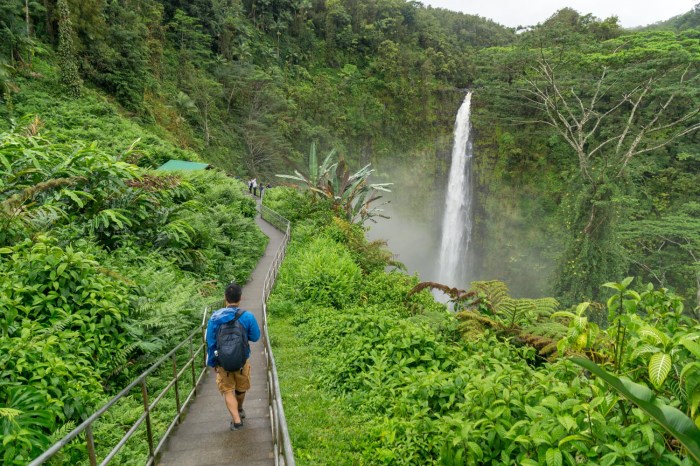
column 250, row 186
column 262, row 189
column 228, row 332
column 255, row 187
column 268, row 186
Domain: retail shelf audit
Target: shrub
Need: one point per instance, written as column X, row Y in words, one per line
column 321, row 272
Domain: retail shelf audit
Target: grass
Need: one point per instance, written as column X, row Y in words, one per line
column 322, row 431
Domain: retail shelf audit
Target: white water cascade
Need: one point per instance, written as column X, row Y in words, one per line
column 457, row 220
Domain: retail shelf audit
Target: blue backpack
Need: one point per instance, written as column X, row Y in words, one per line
column 232, row 344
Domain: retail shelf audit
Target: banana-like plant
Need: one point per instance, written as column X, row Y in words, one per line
column 351, row 194
column 318, row 174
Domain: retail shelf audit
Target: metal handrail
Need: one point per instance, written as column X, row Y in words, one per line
column 282, row 445
column 87, row 425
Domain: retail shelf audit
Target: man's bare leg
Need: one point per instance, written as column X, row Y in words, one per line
column 232, row 405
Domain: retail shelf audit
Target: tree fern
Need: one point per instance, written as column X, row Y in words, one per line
column 549, row 329
column 495, row 291
column 488, row 322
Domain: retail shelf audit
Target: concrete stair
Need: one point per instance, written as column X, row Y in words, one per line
column 204, row 438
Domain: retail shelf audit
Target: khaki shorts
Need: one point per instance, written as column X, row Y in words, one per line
column 238, row 380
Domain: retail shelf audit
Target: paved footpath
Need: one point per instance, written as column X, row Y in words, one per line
column 204, row 437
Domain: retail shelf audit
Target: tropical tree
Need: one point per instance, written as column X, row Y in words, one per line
column 667, row 250
column 612, row 108
column 66, row 50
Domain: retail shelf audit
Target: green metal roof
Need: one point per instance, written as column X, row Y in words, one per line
column 182, row 165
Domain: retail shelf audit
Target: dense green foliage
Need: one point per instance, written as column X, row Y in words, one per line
column 104, row 266
column 586, row 168
column 239, row 82
column 428, row 390
column 607, row 126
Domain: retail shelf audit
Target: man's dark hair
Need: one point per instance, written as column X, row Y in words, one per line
column 233, row 292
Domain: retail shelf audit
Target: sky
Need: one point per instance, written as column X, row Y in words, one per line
column 515, row 13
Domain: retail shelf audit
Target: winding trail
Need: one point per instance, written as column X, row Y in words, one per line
column 204, row 438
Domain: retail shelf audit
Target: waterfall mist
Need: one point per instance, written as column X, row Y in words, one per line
column 431, row 218
column 453, row 262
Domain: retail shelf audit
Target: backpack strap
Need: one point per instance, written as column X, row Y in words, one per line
column 239, row 313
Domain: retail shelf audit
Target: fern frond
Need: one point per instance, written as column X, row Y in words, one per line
column 62, row 431
column 545, row 307
column 543, row 345
column 550, row 329
column 470, row 315
column 454, row 293
column 494, row 290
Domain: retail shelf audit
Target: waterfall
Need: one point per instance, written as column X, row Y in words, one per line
column 457, row 219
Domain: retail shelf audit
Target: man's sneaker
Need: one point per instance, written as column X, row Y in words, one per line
column 241, row 412
column 234, row 426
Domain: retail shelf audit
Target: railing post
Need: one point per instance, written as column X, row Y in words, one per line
column 177, row 387
column 90, row 445
column 204, row 342
column 149, row 431
column 194, row 376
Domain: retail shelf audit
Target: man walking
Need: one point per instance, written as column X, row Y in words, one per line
column 232, row 385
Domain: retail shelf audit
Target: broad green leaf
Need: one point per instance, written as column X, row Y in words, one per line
column 582, row 307
column 648, row 432
column 554, row 457
column 568, row 422
column 659, row 367
column 694, row 404
column 475, row 449
column 644, row 349
column 614, row 286
column 674, row 421
column 689, row 369
column 74, row 197
column 573, row 438
column 692, row 346
column 653, row 335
